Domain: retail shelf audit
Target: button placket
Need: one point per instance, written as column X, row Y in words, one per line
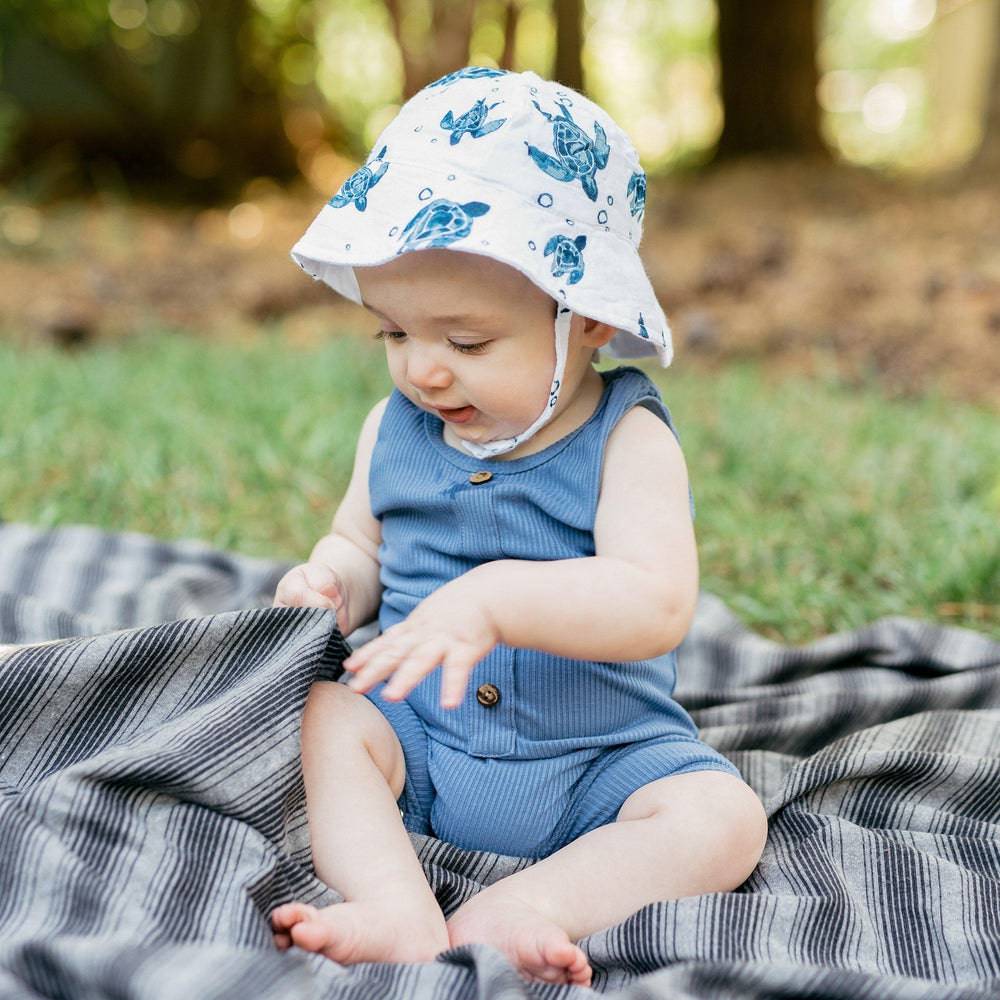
column 491, row 715
column 473, row 505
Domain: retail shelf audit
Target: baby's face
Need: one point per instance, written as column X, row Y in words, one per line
column 467, row 334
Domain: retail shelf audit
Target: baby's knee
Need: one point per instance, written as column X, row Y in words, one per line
column 340, row 712
column 742, row 824
column 719, row 811
column 339, row 719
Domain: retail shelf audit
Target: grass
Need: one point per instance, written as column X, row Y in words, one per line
column 819, row 507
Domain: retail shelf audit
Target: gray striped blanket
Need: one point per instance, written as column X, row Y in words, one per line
column 152, row 807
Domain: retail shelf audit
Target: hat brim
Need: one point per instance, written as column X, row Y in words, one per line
column 509, row 230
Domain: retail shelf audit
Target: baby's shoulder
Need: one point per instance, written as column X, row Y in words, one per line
column 641, row 430
column 639, row 447
column 374, row 419
column 370, row 429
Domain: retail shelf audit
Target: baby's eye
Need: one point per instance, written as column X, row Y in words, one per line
column 397, row 335
column 469, row 348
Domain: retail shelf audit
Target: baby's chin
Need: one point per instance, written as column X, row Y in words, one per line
column 480, row 430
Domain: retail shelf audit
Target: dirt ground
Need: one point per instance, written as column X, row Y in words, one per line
column 804, row 265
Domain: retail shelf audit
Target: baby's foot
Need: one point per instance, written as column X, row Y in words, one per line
column 536, row 946
column 363, row 930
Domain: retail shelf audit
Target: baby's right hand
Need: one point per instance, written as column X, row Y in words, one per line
column 314, row 585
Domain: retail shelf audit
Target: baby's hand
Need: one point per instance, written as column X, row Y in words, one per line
column 452, row 628
column 313, row 585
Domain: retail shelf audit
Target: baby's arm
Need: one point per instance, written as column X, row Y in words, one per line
column 633, row 599
column 343, row 568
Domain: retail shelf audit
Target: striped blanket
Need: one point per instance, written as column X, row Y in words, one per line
column 152, row 808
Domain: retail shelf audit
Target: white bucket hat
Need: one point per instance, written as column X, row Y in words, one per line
column 518, row 168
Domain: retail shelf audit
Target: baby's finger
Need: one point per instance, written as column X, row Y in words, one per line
column 378, row 667
column 417, row 665
column 361, row 656
column 288, row 586
column 360, row 659
column 316, row 600
column 321, row 578
column 311, row 599
column 455, row 671
column 296, row 593
column 390, row 639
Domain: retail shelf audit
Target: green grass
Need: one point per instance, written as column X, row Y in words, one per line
column 819, row 507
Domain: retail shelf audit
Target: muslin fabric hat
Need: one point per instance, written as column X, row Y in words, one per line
column 523, row 170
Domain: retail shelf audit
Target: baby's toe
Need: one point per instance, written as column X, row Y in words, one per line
column 580, row 973
column 544, row 971
column 559, row 953
column 569, row 960
column 312, row 936
column 285, row 917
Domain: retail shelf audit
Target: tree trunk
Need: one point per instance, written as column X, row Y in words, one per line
column 414, row 65
column 443, row 50
column 767, row 55
column 244, row 122
column 569, row 43
column 511, row 14
column 986, row 161
column 451, row 32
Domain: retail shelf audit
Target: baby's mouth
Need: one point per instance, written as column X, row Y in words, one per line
column 460, row 415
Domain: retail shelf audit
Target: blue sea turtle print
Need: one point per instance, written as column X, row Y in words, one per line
column 577, row 155
column 472, row 121
column 637, row 193
column 643, row 332
column 439, row 223
column 568, row 256
column 467, row 73
column 357, row 186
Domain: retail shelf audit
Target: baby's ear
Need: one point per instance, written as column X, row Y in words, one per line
column 595, row 333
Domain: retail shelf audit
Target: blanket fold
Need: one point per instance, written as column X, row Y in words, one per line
column 152, row 810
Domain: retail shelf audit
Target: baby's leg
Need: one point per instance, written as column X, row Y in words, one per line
column 688, row 834
column 353, row 768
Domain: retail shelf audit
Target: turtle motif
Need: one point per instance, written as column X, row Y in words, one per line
column 568, row 257
column 472, row 121
column 467, row 73
column 637, row 194
column 439, row 223
column 643, row 332
column 357, row 186
column 577, row 155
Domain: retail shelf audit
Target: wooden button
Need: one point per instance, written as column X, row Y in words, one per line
column 480, row 477
column 487, row 695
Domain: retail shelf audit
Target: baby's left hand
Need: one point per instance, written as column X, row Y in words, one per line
column 452, row 628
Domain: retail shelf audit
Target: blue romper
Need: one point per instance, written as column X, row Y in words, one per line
column 543, row 748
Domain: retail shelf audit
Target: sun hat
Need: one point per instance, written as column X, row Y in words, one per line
column 523, row 170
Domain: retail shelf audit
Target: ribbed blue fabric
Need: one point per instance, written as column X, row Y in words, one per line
column 557, row 712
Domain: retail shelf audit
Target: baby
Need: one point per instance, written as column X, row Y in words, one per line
column 521, row 523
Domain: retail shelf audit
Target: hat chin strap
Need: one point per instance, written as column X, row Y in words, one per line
column 502, row 445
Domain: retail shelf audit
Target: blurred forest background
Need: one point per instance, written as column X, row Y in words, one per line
column 824, row 173
column 824, row 181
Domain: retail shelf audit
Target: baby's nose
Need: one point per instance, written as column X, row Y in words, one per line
column 427, row 372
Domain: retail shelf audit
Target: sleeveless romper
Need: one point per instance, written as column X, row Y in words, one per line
column 542, row 748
